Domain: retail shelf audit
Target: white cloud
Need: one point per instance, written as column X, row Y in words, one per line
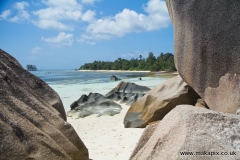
column 35, row 3
column 88, row 16
column 36, row 50
column 47, row 24
column 38, row 53
column 124, row 22
column 62, row 39
column 57, row 13
column 54, row 14
column 89, row 1
column 135, row 54
column 156, row 6
column 82, row 40
column 5, row 14
column 21, row 5
column 15, row 19
column 129, row 21
column 128, row 55
column 90, row 43
column 21, row 14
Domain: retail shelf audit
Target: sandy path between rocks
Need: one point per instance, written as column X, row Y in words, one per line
column 105, row 136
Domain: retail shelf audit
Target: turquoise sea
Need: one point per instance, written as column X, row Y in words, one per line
column 71, row 84
column 66, row 77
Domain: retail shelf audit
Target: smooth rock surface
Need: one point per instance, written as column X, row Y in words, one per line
column 40, row 88
column 156, row 103
column 94, row 103
column 32, row 118
column 127, row 92
column 207, row 49
column 190, row 129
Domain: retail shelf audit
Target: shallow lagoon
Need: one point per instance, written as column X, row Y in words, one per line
column 70, row 84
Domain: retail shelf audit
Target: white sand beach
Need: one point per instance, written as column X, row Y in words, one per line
column 72, row 92
column 105, row 136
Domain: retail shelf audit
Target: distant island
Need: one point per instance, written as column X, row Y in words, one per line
column 164, row 62
column 31, row 67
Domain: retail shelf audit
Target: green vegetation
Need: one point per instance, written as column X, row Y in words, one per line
column 164, row 62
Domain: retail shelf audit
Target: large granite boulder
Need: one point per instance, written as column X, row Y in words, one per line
column 13, row 71
column 81, row 101
column 94, row 103
column 207, row 49
column 127, row 92
column 32, row 118
column 189, row 129
column 156, row 103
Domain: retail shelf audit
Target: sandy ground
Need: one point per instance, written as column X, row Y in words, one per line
column 105, row 136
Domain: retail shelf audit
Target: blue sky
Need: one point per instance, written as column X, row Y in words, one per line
column 65, row 34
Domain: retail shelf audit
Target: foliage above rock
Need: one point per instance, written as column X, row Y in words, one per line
column 164, row 62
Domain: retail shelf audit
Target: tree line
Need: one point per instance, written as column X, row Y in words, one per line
column 164, row 62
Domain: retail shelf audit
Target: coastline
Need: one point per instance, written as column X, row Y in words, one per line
column 105, row 136
column 150, row 72
column 109, row 71
column 165, row 73
column 72, row 92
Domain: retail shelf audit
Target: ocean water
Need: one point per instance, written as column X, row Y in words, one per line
column 68, row 77
column 70, row 84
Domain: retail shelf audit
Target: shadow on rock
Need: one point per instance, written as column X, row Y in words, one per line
column 32, row 118
column 190, row 129
column 158, row 102
column 95, row 103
